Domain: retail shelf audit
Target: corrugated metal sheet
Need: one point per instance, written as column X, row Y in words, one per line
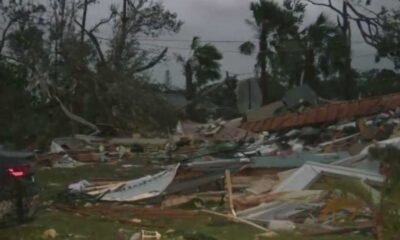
column 326, row 113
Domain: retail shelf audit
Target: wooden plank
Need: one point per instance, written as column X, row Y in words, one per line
column 228, row 187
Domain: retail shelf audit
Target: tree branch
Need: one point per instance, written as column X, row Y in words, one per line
column 329, row 5
column 139, row 5
column 96, row 43
column 368, row 38
column 362, row 16
column 75, row 117
column 4, row 34
column 102, row 22
column 368, row 26
column 153, row 62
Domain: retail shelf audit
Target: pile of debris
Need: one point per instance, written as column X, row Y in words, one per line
column 279, row 176
column 70, row 152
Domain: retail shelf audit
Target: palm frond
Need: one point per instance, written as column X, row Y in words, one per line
column 208, row 52
column 247, row 48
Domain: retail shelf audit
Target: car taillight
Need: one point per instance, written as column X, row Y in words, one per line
column 18, row 171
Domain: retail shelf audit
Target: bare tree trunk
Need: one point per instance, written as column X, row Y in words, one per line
column 77, row 102
column 124, row 19
column 262, row 62
column 348, row 84
column 189, row 80
column 120, row 45
column 85, row 7
column 63, row 22
column 310, row 72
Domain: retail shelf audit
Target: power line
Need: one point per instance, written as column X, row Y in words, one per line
column 209, row 41
column 190, row 40
column 222, row 51
column 187, row 40
column 228, row 51
column 185, row 48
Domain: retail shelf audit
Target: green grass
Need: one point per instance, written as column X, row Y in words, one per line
column 98, row 227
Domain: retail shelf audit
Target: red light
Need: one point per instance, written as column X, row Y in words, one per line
column 19, row 171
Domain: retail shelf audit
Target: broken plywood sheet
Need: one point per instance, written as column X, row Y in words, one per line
column 142, row 188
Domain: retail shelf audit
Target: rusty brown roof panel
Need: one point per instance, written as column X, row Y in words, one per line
column 363, row 108
column 274, row 122
column 258, row 126
column 386, row 105
column 326, row 113
column 311, row 116
column 323, row 114
column 331, row 113
column 288, row 120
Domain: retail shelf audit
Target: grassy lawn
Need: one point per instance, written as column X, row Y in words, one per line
column 98, row 226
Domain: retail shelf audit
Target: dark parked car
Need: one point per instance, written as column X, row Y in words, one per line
column 18, row 191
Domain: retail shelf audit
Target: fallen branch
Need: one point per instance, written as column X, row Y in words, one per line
column 77, row 118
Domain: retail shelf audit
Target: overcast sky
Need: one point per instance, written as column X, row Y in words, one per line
column 225, row 20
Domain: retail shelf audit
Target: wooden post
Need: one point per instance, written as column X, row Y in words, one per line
column 228, row 188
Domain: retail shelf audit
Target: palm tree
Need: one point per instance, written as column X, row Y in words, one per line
column 202, row 65
column 343, row 52
column 268, row 18
column 315, row 39
column 301, row 56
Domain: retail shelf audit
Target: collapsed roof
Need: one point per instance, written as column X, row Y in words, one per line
column 327, row 113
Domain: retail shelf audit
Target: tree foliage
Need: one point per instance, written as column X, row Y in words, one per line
column 270, row 21
column 293, row 53
column 63, row 67
column 379, row 28
column 201, row 67
column 378, row 82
